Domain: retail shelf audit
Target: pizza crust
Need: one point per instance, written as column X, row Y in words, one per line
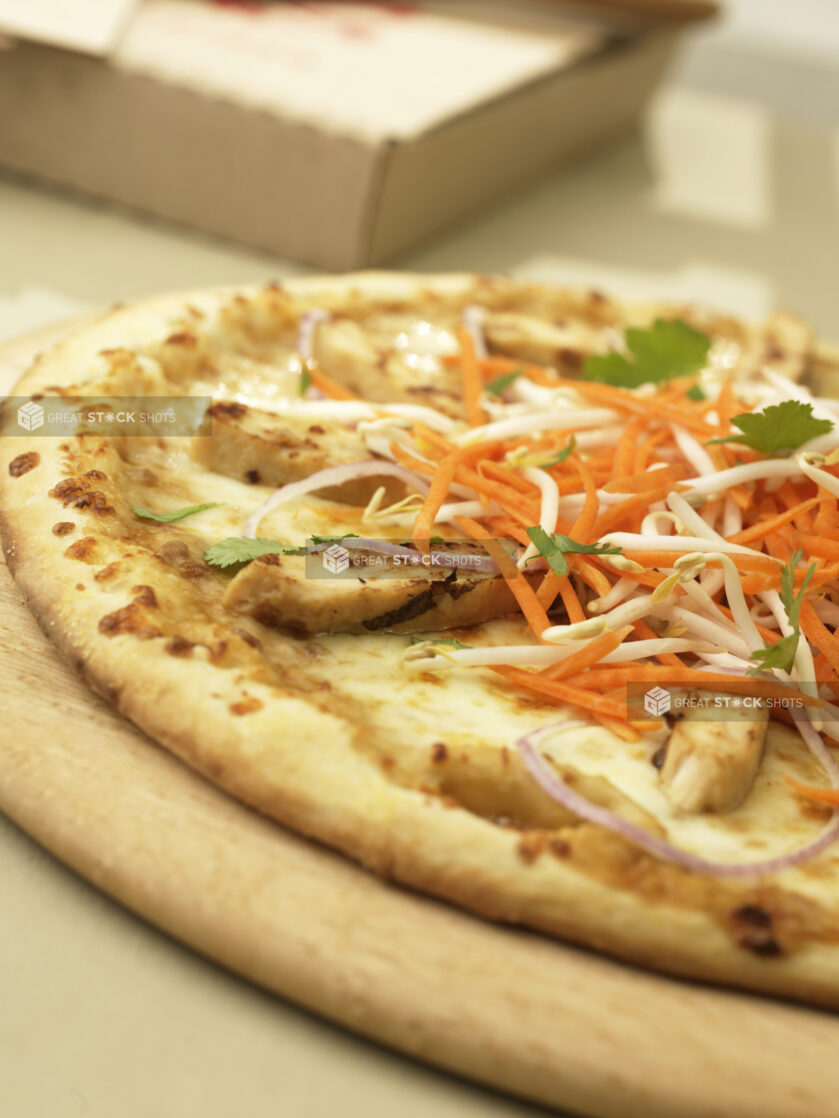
column 284, row 744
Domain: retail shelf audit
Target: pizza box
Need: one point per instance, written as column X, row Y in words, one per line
column 333, row 134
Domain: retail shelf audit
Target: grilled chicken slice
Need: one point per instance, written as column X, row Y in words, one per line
column 711, row 764
column 784, row 345
column 376, row 369
column 264, row 448
column 276, row 590
column 562, row 346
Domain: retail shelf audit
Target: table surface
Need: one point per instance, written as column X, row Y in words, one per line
column 720, row 198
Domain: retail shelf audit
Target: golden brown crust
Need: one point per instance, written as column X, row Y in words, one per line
column 264, row 714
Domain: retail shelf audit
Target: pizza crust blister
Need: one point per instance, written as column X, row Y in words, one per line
column 413, row 774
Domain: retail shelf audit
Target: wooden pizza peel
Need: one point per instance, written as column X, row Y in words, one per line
column 513, row 1010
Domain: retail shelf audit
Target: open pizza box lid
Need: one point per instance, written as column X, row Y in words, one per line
column 335, row 134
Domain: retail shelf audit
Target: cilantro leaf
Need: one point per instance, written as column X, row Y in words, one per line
column 779, row 655
column 785, row 426
column 304, row 382
column 497, row 386
column 333, row 539
column 669, row 348
column 695, row 393
column 169, row 517
column 237, row 549
column 782, row 653
column 555, row 547
column 561, row 456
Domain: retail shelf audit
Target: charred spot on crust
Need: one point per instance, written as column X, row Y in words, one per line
column 145, row 596
column 658, row 758
column 228, row 410
column 245, row 706
column 96, row 475
column 570, row 358
column 175, row 554
column 63, row 527
column 248, row 638
column 84, row 549
column 559, row 848
column 182, row 337
column 129, row 619
column 752, row 929
column 179, row 646
column 252, row 477
column 107, row 572
column 95, row 501
column 439, row 753
column 24, row 463
column 529, row 847
column 316, row 429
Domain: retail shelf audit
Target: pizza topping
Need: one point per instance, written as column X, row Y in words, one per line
column 784, row 653
column 668, row 349
column 559, row 790
column 779, row 427
column 711, row 765
column 236, row 550
column 332, row 476
column 266, row 448
column 24, row 463
column 277, row 590
column 170, row 517
column 554, row 547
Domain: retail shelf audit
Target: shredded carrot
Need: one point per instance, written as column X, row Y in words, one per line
column 599, row 647
column 815, row 630
column 439, row 490
column 762, row 564
column 562, row 692
column 821, row 795
column 648, row 406
column 644, row 632
column 768, row 525
column 472, row 379
column 650, row 479
column 819, row 546
column 582, row 526
column 625, row 452
column 329, row 386
column 566, row 590
column 521, row 589
column 600, row 679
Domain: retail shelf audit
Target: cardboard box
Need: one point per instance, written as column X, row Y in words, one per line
column 333, row 134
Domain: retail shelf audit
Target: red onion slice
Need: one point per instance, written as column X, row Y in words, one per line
column 332, row 475
column 558, row 790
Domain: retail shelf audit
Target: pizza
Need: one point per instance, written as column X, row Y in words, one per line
column 523, row 597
